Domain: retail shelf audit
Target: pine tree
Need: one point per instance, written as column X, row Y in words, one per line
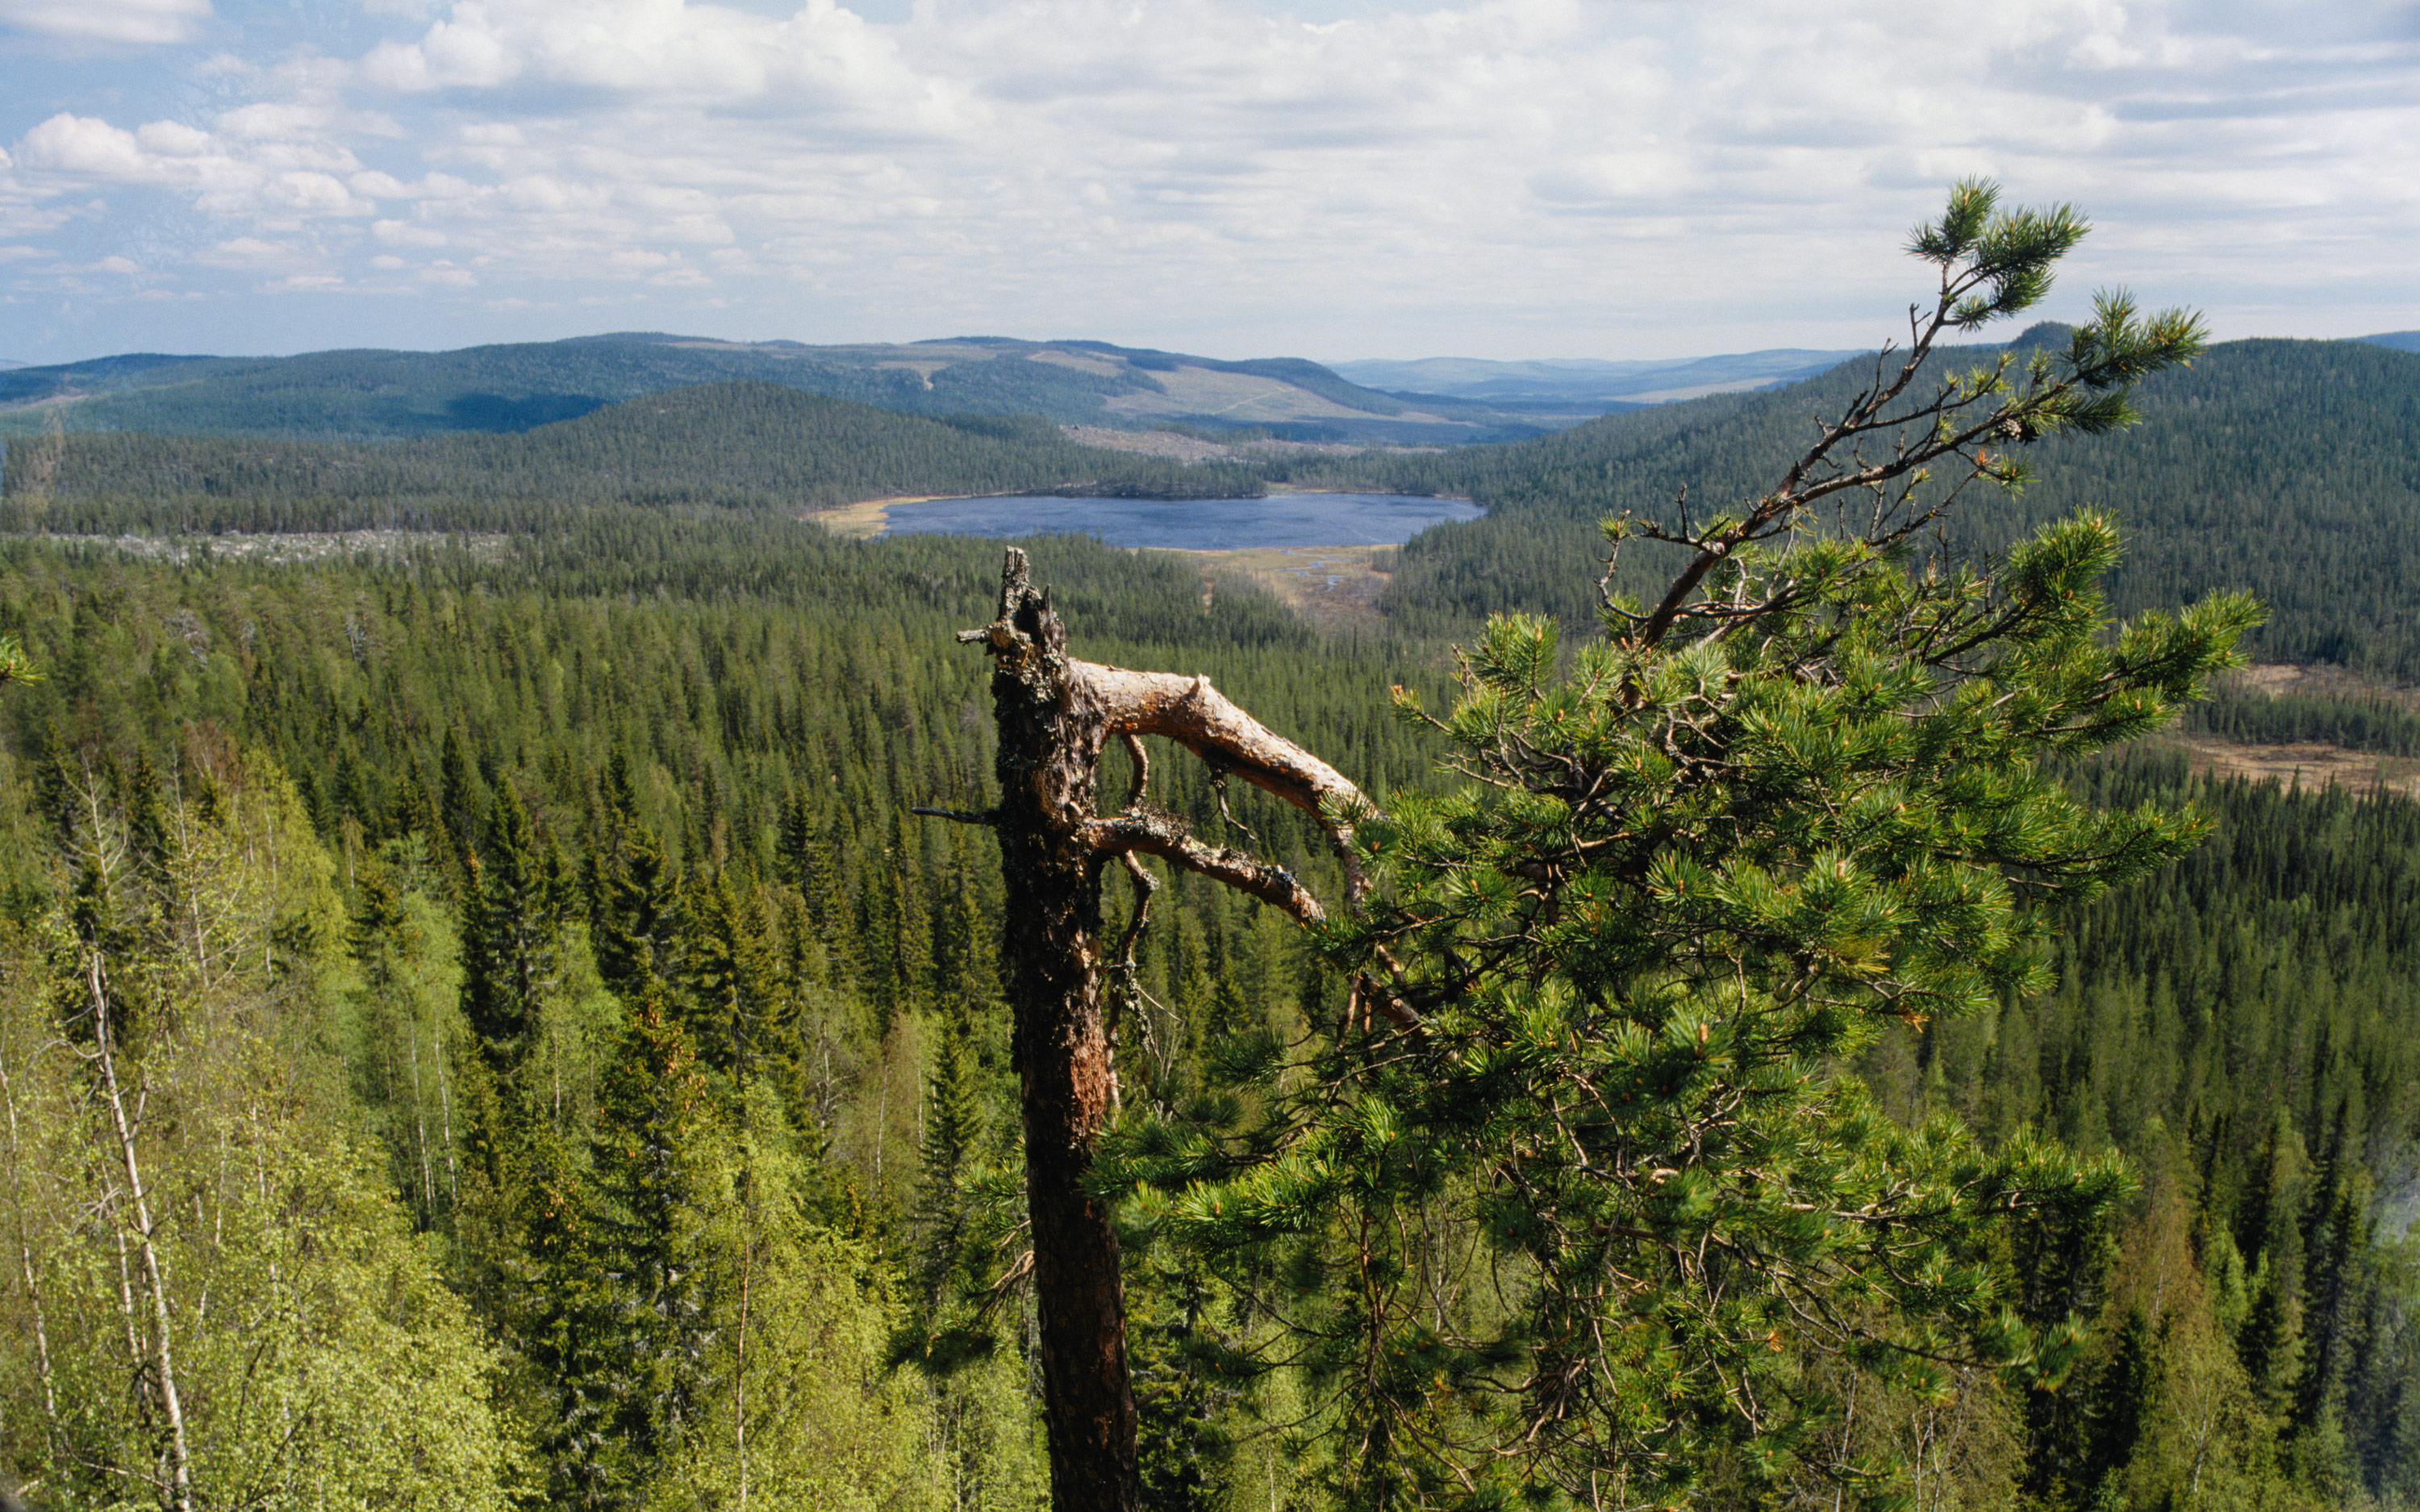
column 1599, row 996
column 15, row 666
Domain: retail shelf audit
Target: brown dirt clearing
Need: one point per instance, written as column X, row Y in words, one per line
column 1332, row 587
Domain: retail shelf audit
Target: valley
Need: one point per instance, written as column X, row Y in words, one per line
column 574, row 777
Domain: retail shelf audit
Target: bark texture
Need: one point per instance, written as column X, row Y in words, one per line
column 1050, row 734
column 1055, row 715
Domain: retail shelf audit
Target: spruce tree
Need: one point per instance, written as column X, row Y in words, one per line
column 623, row 1312
column 459, row 800
column 636, row 906
column 731, row 974
column 510, row 944
column 651, row 1157
column 954, row 1319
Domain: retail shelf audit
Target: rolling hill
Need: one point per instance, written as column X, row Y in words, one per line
column 392, row 394
column 2286, row 467
column 749, row 446
column 2281, row 467
column 1582, row 388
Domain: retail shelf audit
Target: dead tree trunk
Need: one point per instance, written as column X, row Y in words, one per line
column 1048, row 765
column 1056, row 713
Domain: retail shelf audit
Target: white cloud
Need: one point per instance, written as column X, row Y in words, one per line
column 823, row 56
column 247, row 252
column 405, row 234
column 147, row 21
column 377, row 185
column 277, row 181
column 69, row 143
column 278, row 120
column 1498, row 175
column 172, row 139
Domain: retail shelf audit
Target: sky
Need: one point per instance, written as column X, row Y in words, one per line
column 1326, row 178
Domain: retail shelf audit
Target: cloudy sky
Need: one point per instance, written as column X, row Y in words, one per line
column 1331, row 178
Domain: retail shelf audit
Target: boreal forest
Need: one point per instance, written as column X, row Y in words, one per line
column 484, row 1022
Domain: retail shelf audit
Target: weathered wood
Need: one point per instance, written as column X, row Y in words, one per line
column 1048, row 765
column 1056, row 713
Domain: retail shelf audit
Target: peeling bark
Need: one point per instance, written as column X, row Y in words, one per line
column 1055, row 715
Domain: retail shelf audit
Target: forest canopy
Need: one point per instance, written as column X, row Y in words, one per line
column 554, row 1064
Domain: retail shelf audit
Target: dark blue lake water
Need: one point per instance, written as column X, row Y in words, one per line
column 1191, row 524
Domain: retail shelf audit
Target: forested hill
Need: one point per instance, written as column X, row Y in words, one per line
column 668, row 757
column 2284, row 467
column 1591, row 387
column 387, row 394
column 733, row 445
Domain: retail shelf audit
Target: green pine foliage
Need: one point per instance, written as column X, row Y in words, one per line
column 1610, row 1213
column 574, row 1077
column 815, row 682
column 2276, row 468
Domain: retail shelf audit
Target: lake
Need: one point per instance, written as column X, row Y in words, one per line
column 1280, row 520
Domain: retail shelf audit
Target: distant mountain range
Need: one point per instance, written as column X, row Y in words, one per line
column 384, row 395
column 387, row 394
column 379, row 395
column 1588, row 384
column 2282, row 467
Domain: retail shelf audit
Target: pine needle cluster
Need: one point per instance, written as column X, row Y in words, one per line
column 1613, row 1221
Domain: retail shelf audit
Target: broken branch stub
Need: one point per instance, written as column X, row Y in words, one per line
column 1052, row 960
column 1028, row 641
column 1055, row 715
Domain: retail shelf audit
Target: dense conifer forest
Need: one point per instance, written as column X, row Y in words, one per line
column 2281, row 467
column 753, row 446
column 478, row 859
column 500, row 941
column 480, row 1024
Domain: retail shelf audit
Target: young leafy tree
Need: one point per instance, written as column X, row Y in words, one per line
column 226, row 1309
column 1602, row 996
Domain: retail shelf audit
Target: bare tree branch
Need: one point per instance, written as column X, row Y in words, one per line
column 1163, row 835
